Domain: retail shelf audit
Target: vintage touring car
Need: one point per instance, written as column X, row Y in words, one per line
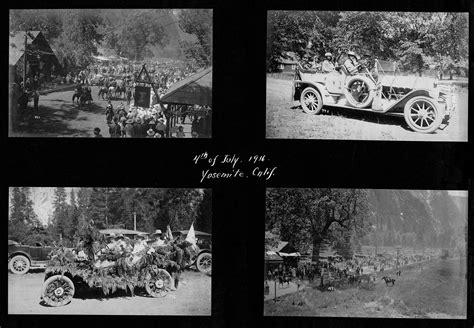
column 424, row 104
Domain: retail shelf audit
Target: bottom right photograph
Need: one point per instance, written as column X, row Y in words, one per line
column 385, row 253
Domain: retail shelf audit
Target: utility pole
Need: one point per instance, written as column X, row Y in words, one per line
column 135, row 221
column 24, row 62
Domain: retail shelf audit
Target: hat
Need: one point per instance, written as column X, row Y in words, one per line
column 150, row 132
column 327, row 54
column 152, row 122
column 129, row 121
column 351, row 53
column 96, row 130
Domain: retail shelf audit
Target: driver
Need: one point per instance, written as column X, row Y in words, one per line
column 351, row 63
column 328, row 65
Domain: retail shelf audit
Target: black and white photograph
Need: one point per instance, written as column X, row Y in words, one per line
column 367, row 75
column 372, row 253
column 118, row 73
column 109, row 251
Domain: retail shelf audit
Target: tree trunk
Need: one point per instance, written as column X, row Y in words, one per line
column 316, row 247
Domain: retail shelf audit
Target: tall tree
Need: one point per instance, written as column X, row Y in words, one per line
column 199, row 23
column 310, row 217
column 61, row 220
column 22, row 218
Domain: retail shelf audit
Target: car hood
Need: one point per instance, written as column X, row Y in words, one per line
column 409, row 82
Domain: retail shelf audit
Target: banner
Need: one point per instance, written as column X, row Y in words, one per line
column 142, row 96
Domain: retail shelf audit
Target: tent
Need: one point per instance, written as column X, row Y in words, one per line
column 272, row 257
column 193, row 90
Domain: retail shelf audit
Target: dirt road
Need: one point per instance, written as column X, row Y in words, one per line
column 57, row 116
column 435, row 290
column 286, row 119
column 193, row 297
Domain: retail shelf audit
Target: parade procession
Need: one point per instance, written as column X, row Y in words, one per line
column 121, row 84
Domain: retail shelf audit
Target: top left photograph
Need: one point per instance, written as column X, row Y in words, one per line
column 110, row 73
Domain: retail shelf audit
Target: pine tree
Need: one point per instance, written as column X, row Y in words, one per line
column 204, row 218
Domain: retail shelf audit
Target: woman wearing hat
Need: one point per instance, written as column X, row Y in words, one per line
column 97, row 133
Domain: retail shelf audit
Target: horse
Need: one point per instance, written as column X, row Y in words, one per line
column 102, row 92
column 77, row 95
column 119, row 89
column 284, row 280
column 85, row 97
column 388, row 280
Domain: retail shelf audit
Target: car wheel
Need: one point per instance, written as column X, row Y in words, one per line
column 159, row 284
column 359, row 91
column 311, row 101
column 422, row 114
column 19, row 264
column 204, row 262
column 57, row 290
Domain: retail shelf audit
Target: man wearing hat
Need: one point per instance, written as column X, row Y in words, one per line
column 129, row 128
column 97, row 133
column 328, row 65
column 351, row 63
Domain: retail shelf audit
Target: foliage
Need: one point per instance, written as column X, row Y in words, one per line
column 309, row 217
column 131, row 35
column 22, row 219
column 121, row 274
column 417, row 41
column 199, row 23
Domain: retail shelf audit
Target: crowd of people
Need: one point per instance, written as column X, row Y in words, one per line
column 338, row 268
column 138, row 122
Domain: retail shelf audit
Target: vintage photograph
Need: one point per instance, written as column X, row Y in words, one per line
column 375, row 253
column 118, row 73
column 109, row 251
column 355, row 75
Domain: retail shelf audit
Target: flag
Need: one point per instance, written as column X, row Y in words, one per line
column 169, row 235
column 191, row 237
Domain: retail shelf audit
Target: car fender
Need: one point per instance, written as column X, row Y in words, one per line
column 15, row 253
column 414, row 93
column 299, row 86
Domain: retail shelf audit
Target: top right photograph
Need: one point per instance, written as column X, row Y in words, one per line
column 388, row 76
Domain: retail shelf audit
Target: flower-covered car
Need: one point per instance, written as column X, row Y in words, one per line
column 96, row 265
column 423, row 103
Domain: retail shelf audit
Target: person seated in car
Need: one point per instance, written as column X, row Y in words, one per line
column 351, row 63
column 328, row 65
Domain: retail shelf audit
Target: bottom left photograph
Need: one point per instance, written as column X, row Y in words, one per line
column 109, row 251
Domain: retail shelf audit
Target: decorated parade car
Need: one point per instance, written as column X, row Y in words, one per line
column 421, row 101
column 134, row 266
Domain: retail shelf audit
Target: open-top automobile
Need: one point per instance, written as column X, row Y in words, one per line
column 421, row 101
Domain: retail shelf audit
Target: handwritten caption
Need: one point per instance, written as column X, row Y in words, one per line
column 234, row 166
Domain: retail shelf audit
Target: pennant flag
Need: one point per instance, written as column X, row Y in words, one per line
column 191, row 237
column 168, row 233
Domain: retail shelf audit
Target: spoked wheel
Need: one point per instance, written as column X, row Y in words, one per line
column 19, row 264
column 311, row 101
column 204, row 262
column 159, row 284
column 359, row 92
column 422, row 114
column 57, row 290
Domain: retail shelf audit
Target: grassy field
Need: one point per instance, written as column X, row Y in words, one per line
column 286, row 119
column 438, row 290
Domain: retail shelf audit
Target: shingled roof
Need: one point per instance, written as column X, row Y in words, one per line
column 193, row 90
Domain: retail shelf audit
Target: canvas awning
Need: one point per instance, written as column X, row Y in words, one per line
column 121, row 231
column 296, row 254
column 272, row 257
column 193, row 90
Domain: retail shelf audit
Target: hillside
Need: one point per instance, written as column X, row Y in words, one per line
column 432, row 215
